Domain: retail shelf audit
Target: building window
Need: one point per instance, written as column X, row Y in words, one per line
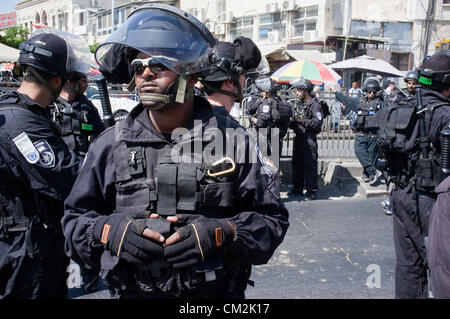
column 397, row 31
column 365, row 28
column 122, row 15
column 81, row 19
column 400, row 60
column 304, row 19
column 243, row 26
column 446, row 2
column 400, row 31
column 272, row 22
column 99, row 22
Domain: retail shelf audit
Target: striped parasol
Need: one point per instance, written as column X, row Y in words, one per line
column 318, row 73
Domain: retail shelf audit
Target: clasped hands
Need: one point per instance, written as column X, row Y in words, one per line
column 131, row 238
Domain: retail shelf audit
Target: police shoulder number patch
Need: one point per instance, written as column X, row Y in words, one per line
column 27, row 148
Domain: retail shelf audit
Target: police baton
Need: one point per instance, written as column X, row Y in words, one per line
column 108, row 117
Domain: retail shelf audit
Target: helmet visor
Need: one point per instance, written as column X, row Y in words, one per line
column 79, row 57
column 164, row 36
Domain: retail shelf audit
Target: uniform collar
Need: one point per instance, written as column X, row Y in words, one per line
column 139, row 128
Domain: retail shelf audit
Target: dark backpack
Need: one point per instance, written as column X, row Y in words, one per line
column 398, row 126
column 281, row 114
column 398, row 138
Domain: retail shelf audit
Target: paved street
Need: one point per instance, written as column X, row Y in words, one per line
column 327, row 251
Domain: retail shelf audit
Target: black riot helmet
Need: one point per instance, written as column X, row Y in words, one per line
column 46, row 52
column 233, row 59
column 54, row 52
column 434, row 73
column 411, row 76
column 302, row 84
column 371, row 84
column 266, row 84
column 230, row 61
column 169, row 36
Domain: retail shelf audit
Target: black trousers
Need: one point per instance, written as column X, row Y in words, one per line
column 304, row 162
column 367, row 151
column 411, row 213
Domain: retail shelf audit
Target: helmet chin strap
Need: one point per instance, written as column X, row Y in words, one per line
column 175, row 93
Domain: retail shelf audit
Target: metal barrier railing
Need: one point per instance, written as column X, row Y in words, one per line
column 336, row 138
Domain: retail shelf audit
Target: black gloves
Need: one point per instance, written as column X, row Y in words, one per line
column 122, row 234
column 199, row 240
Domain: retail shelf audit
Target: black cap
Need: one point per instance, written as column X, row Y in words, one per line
column 46, row 52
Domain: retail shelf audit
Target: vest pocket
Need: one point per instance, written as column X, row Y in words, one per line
column 219, row 195
column 135, row 195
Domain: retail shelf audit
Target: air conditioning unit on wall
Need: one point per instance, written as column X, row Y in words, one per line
column 219, row 29
column 210, row 26
column 273, row 36
column 288, row 5
column 309, row 36
column 200, row 14
column 272, row 7
column 229, row 18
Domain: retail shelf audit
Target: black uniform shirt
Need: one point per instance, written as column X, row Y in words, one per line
column 259, row 216
column 32, row 150
column 311, row 118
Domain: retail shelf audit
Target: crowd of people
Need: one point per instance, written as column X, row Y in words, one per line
column 167, row 203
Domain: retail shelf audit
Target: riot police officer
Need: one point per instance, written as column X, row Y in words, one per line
column 37, row 170
column 306, row 123
column 411, row 81
column 150, row 207
column 366, row 148
column 271, row 113
column 224, row 81
column 75, row 116
column 416, row 173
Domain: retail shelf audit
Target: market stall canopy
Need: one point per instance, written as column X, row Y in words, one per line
column 367, row 64
column 8, row 54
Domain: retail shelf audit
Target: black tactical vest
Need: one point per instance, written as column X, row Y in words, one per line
column 366, row 113
column 398, row 138
column 150, row 178
column 74, row 124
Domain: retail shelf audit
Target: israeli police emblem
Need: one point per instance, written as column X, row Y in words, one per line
column 47, row 156
column 266, row 108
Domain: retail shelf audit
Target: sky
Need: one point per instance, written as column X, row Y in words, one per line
column 7, row 5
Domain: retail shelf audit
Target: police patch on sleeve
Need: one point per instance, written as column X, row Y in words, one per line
column 46, row 154
column 267, row 165
column 27, row 148
column 319, row 116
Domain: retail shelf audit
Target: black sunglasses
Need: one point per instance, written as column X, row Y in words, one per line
column 371, row 92
column 139, row 65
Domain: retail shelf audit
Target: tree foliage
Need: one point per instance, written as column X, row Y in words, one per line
column 93, row 47
column 14, row 36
